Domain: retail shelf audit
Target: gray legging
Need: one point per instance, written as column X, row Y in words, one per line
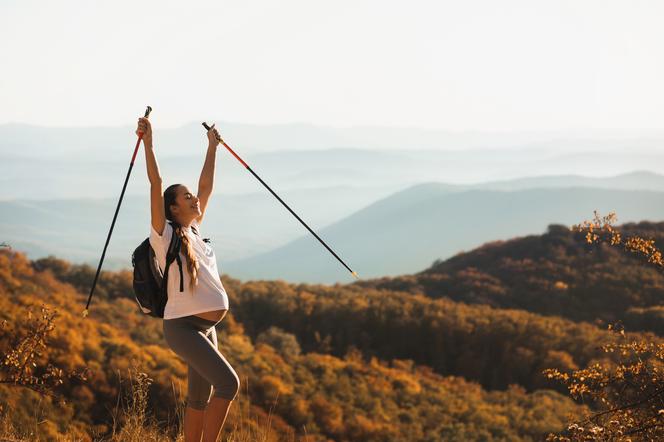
column 194, row 339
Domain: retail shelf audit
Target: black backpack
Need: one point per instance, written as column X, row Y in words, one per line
column 150, row 285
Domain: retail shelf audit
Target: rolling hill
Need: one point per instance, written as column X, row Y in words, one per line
column 407, row 231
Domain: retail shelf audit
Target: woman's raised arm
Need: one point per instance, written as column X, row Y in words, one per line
column 156, row 192
column 206, row 180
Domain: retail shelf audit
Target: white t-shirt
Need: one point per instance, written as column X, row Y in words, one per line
column 209, row 294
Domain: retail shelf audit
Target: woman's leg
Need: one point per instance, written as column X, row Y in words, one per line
column 187, row 338
column 215, row 417
column 217, row 409
column 193, row 424
column 198, row 396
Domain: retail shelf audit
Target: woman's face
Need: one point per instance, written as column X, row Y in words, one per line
column 187, row 206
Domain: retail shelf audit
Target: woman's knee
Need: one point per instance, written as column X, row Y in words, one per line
column 198, row 391
column 197, row 403
column 229, row 388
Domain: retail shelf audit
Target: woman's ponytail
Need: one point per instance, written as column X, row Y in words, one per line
column 192, row 261
column 187, row 248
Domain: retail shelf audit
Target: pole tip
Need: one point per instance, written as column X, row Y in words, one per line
column 85, row 313
column 355, row 275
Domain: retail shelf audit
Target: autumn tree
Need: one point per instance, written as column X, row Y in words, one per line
column 628, row 395
column 20, row 351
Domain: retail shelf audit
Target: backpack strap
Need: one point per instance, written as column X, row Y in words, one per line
column 181, row 277
column 174, row 253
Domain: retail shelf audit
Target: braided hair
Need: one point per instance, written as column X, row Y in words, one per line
column 192, row 262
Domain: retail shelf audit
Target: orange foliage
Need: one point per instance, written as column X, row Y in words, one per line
column 359, row 396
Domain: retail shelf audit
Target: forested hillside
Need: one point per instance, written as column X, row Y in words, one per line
column 554, row 274
column 330, row 362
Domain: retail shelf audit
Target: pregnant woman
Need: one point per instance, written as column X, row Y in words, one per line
column 197, row 300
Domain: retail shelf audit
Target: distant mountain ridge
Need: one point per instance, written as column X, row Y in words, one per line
column 407, row 231
column 360, row 224
column 54, row 163
column 55, row 141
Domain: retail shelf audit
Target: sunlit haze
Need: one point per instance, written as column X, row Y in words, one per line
column 474, row 65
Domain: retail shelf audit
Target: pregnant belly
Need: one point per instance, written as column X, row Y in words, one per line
column 215, row 315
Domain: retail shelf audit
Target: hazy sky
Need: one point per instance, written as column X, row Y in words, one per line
column 457, row 65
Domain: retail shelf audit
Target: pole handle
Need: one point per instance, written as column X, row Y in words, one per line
column 140, row 134
column 207, row 127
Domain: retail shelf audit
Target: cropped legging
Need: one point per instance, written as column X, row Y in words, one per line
column 194, row 339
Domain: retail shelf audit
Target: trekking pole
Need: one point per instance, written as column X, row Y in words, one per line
column 205, row 125
column 117, row 209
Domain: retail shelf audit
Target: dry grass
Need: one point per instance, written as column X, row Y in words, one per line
column 133, row 423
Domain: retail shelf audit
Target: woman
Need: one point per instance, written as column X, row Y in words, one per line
column 198, row 302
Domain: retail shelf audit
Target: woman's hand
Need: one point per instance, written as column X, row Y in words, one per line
column 145, row 128
column 213, row 137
